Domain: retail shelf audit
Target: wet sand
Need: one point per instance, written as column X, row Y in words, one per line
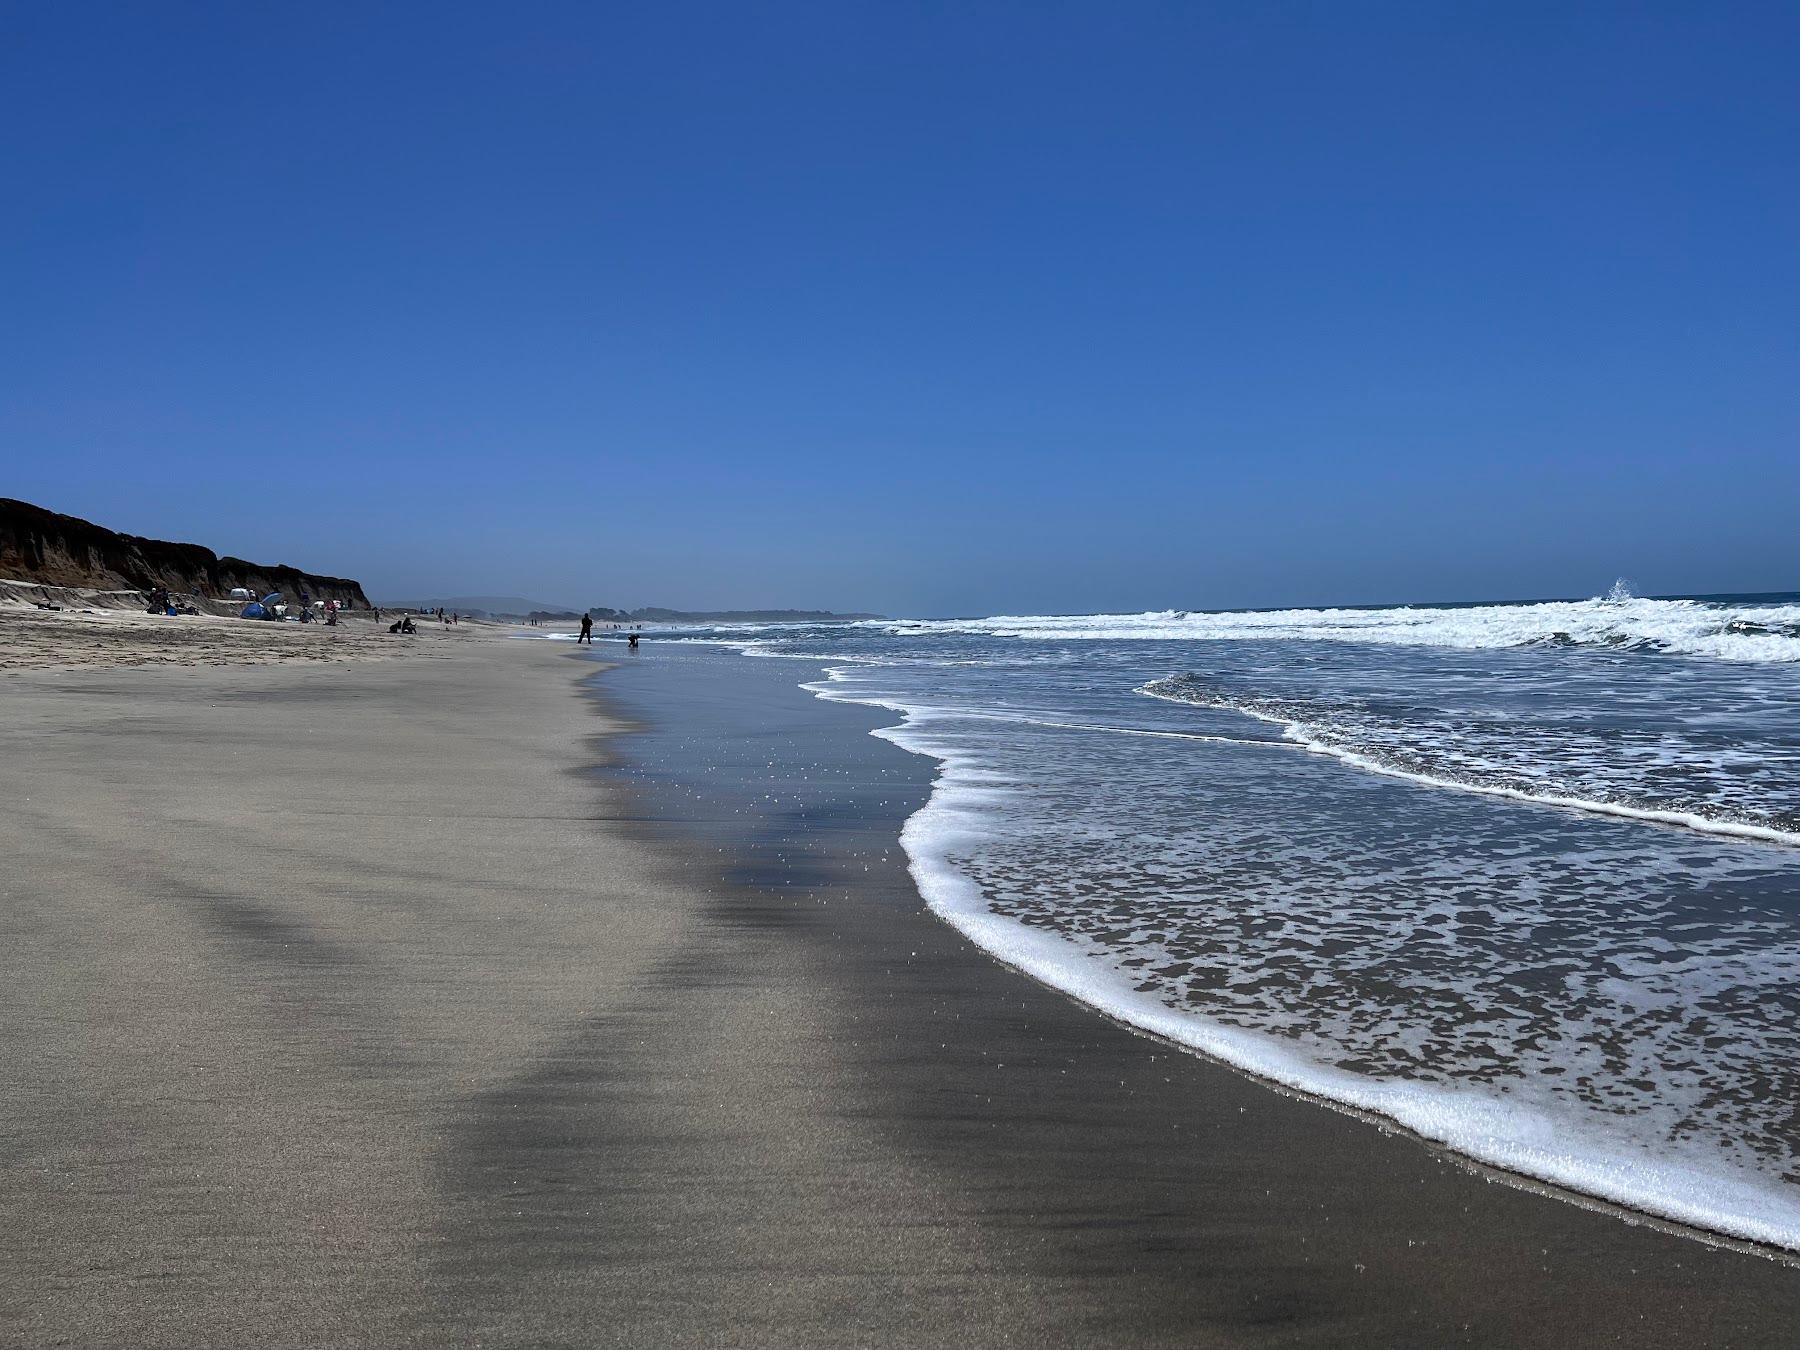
column 349, row 1005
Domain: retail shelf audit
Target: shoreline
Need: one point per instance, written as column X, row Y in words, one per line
column 1396, row 1107
column 1443, row 1119
column 359, row 1005
column 1627, row 1240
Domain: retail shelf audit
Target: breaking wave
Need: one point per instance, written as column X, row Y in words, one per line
column 1701, row 628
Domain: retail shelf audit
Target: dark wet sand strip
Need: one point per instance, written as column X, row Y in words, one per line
column 349, row 1007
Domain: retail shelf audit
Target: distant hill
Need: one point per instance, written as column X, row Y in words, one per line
column 45, row 548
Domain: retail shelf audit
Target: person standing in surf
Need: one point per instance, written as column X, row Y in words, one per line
column 587, row 630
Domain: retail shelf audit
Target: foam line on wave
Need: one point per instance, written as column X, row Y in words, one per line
column 1689, row 820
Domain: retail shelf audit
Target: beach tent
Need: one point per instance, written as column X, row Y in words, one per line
column 239, row 593
column 269, row 607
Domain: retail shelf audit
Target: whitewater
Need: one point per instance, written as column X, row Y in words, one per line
column 1731, row 631
column 1523, row 879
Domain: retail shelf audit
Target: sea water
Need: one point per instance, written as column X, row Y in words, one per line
column 1524, row 879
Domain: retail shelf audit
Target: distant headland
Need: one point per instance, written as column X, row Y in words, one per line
column 41, row 547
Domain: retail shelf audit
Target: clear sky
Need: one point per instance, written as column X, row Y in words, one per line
column 925, row 308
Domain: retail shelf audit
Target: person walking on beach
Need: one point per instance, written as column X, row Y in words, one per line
column 587, row 630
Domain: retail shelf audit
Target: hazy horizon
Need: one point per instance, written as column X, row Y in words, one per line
column 1463, row 601
column 443, row 595
column 1002, row 310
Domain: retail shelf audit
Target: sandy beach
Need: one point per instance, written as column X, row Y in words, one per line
column 266, row 950
column 357, row 1004
column 81, row 637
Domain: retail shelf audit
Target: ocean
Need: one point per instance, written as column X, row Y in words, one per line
column 1523, row 879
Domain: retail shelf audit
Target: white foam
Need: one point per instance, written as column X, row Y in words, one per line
column 1680, row 627
column 1479, row 1123
column 1683, row 1185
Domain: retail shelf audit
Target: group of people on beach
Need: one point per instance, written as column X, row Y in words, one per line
column 160, row 601
column 328, row 617
column 405, row 624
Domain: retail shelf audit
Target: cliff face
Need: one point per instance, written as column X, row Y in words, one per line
column 43, row 547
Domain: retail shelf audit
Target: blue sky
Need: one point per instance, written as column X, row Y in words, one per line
column 921, row 308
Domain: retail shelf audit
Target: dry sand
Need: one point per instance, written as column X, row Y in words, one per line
column 344, row 1005
column 271, row 942
column 79, row 637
